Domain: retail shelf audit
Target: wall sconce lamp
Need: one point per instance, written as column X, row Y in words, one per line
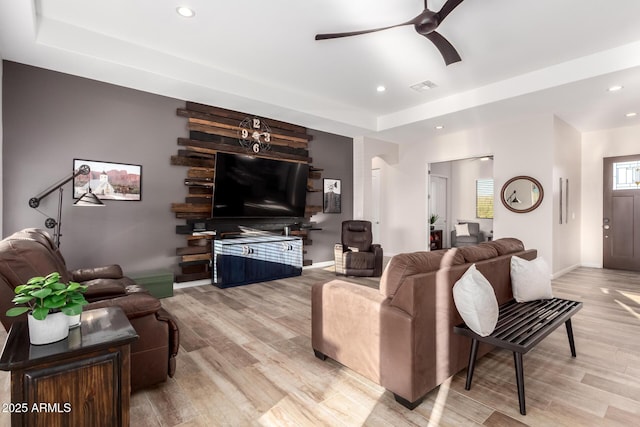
column 87, row 199
column 513, row 198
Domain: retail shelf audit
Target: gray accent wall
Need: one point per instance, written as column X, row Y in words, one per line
column 50, row 118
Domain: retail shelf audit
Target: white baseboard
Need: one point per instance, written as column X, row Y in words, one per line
column 591, row 265
column 191, row 284
column 322, row 264
column 564, row 271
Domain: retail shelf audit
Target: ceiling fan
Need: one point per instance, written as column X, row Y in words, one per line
column 425, row 24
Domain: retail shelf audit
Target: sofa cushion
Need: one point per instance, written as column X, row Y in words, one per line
column 476, row 302
column 530, row 280
column 507, row 245
column 408, row 264
column 479, row 252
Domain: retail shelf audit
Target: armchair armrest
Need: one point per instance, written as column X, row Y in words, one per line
column 107, row 272
column 338, row 250
column 377, row 251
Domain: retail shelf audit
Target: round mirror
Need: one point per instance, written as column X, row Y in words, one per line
column 521, row 194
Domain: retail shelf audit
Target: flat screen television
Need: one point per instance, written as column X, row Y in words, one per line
column 253, row 187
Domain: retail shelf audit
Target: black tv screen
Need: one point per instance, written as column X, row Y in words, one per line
column 247, row 186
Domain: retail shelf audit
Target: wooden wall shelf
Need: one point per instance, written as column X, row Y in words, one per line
column 212, row 130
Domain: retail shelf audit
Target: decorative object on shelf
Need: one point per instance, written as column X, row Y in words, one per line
column 432, row 220
column 255, row 134
column 109, row 181
column 86, row 199
column 42, row 295
column 521, row 194
column 332, row 189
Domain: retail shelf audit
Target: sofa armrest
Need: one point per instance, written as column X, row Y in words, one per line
column 345, row 324
column 107, row 272
column 174, row 338
column 103, row 288
column 133, row 305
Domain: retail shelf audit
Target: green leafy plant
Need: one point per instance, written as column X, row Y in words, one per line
column 43, row 294
column 433, row 218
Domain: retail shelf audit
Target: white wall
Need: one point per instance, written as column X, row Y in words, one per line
column 523, row 147
column 567, row 165
column 369, row 154
column 1, row 142
column 595, row 147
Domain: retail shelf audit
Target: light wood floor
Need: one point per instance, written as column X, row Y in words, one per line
column 246, row 359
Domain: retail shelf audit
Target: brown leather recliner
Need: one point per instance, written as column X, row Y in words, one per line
column 357, row 255
column 32, row 252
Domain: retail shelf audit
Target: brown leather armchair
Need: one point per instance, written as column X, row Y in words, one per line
column 357, row 255
column 32, row 252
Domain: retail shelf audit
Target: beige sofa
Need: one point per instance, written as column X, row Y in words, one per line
column 401, row 336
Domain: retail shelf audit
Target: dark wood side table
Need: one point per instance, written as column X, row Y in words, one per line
column 82, row 380
column 435, row 240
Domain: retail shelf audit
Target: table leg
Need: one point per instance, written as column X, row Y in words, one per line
column 572, row 344
column 517, row 358
column 472, row 363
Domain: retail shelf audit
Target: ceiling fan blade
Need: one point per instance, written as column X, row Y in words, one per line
column 446, row 49
column 356, row 33
column 448, row 8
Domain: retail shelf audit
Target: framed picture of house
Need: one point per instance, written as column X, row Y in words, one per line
column 332, row 190
column 109, row 180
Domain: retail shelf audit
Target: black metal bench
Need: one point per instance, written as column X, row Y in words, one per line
column 520, row 327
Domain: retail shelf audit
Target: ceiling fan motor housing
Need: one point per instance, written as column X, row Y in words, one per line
column 427, row 22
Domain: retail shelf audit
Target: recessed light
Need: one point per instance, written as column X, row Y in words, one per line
column 185, row 12
column 615, row 88
column 485, row 158
column 632, row 114
column 381, row 88
column 439, row 127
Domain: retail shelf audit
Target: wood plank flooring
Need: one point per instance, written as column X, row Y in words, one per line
column 246, row 360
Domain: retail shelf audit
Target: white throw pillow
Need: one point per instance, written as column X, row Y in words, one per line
column 476, row 302
column 530, row 280
column 462, row 230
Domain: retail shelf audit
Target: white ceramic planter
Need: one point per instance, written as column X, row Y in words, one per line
column 54, row 327
column 74, row 321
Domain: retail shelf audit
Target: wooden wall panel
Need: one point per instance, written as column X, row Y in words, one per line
column 213, row 130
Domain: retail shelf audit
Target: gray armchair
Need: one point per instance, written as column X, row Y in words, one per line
column 475, row 235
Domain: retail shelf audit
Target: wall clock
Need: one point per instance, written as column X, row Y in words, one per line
column 254, row 134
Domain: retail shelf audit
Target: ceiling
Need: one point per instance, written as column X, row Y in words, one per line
column 518, row 58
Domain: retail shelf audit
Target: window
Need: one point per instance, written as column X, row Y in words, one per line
column 484, row 198
column 626, row 175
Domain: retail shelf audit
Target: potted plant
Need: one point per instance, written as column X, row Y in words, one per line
column 75, row 302
column 49, row 303
column 432, row 220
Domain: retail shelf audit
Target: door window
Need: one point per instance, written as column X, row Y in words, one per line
column 626, row 175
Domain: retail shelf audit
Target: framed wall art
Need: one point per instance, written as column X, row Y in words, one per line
column 332, row 190
column 109, row 180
